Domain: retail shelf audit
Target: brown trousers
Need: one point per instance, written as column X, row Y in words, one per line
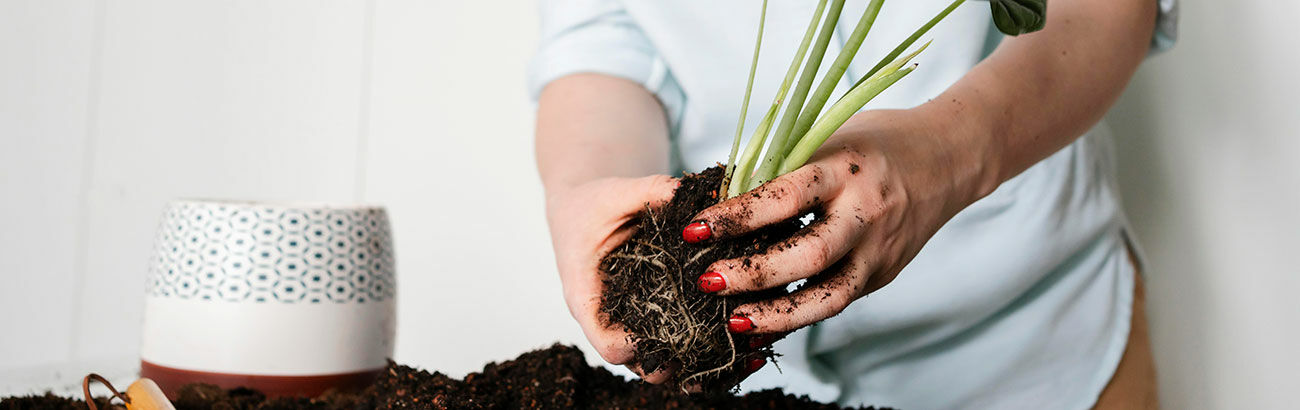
column 1134, row 384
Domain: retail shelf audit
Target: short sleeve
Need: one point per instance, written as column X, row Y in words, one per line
column 1164, row 37
column 1166, row 26
column 598, row 36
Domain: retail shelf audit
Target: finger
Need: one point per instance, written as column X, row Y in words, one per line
column 811, row 250
column 751, row 365
column 741, row 369
column 582, row 293
column 778, row 200
column 611, row 342
column 628, row 197
column 827, row 297
column 612, row 202
column 748, row 365
column 760, row 341
column 632, row 195
column 657, row 377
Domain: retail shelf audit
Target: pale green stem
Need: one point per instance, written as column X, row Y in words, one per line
column 750, row 156
column 775, row 148
column 832, row 78
column 744, row 106
column 836, row 116
column 899, row 63
column 916, row 35
column 740, row 177
column 853, row 101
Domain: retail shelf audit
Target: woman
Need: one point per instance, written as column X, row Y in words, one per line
column 987, row 226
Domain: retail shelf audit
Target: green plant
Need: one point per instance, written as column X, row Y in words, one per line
column 804, row 127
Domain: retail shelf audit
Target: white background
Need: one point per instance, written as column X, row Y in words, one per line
column 110, row 108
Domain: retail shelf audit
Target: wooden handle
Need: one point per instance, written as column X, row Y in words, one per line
column 145, row 395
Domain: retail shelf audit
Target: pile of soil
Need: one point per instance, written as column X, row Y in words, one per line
column 553, row 378
column 651, row 289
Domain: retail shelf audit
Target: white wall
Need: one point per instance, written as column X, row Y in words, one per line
column 1209, row 142
column 110, row 108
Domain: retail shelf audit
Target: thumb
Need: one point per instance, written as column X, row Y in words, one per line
column 627, row 198
column 633, row 195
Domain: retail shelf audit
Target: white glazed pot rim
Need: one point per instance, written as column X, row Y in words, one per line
column 248, row 203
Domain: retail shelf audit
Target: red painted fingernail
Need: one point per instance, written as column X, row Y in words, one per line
column 696, row 232
column 752, row 365
column 712, row 282
column 739, row 324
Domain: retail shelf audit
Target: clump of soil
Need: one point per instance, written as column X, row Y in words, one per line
column 553, row 378
column 651, row 290
column 47, row 401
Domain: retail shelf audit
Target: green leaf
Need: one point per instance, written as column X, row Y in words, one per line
column 1016, row 17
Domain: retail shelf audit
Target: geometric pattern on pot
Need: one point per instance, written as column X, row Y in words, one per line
column 265, row 253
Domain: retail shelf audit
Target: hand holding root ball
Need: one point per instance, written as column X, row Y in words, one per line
column 882, row 191
column 592, row 219
column 878, row 195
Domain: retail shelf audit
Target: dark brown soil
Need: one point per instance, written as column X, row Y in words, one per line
column 651, row 290
column 554, row 378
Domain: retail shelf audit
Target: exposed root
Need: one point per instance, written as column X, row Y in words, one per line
column 699, row 254
column 657, row 263
column 731, row 346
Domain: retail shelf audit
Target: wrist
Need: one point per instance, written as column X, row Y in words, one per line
column 940, row 153
column 966, row 144
column 557, row 197
column 558, row 187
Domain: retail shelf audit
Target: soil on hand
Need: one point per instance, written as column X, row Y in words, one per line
column 554, row 378
column 651, row 290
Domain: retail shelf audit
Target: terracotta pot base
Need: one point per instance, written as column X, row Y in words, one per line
column 171, row 379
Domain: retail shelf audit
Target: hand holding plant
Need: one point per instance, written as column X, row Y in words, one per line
column 879, row 190
column 685, row 295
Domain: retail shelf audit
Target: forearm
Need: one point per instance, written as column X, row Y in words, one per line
column 591, row 126
column 1039, row 92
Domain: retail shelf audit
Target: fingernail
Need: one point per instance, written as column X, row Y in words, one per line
column 696, row 232
column 759, row 341
column 752, row 365
column 712, row 282
column 739, row 324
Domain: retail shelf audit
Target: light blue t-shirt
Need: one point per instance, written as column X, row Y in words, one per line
column 1022, row 300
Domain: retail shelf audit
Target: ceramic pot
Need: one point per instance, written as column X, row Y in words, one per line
column 285, row 299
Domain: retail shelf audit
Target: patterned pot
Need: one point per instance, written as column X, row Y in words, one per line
column 286, row 299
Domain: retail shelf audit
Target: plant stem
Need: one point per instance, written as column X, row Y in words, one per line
column 899, row 63
column 740, row 176
column 845, row 108
column 744, row 106
column 836, row 116
column 832, row 78
column 775, row 148
column 911, row 39
column 750, row 156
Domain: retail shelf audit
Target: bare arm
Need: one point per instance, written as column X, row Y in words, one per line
column 1037, row 93
column 591, row 126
